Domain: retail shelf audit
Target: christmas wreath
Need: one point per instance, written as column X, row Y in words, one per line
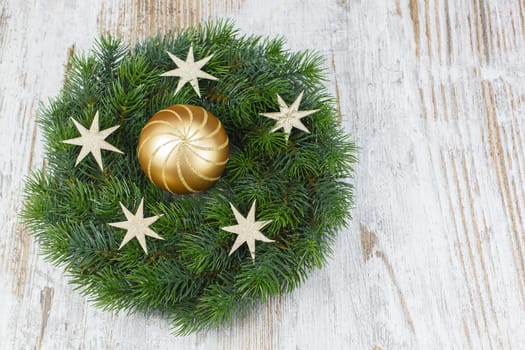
column 226, row 210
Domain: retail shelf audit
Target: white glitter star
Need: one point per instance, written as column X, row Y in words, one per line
column 289, row 117
column 92, row 141
column 247, row 229
column 189, row 71
column 137, row 226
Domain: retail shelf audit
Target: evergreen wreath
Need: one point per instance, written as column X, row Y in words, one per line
column 299, row 183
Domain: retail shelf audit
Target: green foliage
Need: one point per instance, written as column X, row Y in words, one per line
column 300, row 184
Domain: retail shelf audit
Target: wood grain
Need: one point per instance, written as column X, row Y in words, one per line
column 433, row 91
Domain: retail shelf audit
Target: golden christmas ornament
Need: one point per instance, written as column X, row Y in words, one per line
column 183, row 149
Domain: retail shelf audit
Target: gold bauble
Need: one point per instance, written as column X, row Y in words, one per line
column 183, row 149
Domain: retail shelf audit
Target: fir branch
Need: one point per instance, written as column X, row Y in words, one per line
column 301, row 185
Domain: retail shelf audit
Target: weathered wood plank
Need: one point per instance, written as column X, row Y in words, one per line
column 434, row 93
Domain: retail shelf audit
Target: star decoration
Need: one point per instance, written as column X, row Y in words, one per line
column 247, row 229
column 137, row 226
column 289, row 117
column 92, row 141
column 189, row 71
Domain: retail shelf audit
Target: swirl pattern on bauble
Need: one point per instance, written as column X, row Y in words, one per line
column 183, row 149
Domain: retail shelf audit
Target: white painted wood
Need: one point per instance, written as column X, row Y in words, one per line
column 433, row 92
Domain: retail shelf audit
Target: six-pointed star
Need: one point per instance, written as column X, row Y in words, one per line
column 137, row 226
column 189, row 71
column 247, row 229
column 289, row 117
column 92, row 141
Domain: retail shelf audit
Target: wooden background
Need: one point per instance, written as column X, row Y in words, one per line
column 433, row 91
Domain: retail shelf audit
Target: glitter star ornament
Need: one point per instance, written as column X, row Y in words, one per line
column 137, row 226
column 92, row 141
column 247, row 230
column 189, row 71
column 289, row 117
